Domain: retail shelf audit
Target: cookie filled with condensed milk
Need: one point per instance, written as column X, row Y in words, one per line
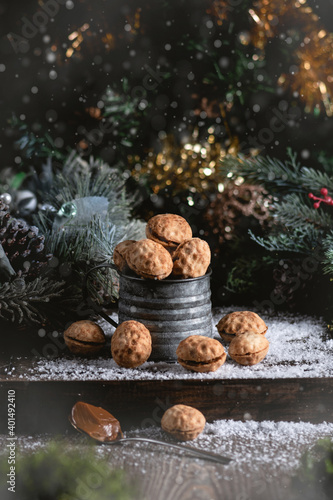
column 239, row 322
column 191, row 259
column 169, row 230
column 149, row 259
column 120, row 254
column 200, row 354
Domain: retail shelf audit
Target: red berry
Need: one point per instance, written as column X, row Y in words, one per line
column 324, row 191
column 328, row 199
column 311, row 195
column 316, row 205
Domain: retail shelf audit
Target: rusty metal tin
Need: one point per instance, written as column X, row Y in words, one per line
column 170, row 309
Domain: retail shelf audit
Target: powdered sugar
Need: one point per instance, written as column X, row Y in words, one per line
column 275, row 447
column 299, row 347
column 277, row 444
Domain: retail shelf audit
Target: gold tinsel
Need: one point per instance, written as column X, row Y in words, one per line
column 220, row 9
column 313, row 75
column 193, row 164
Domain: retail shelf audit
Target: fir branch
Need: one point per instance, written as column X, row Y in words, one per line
column 328, row 253
column 297, row 240
column 277, row 176
column 33, row 145
column 93, row 242
column 299, row 227
column 274, row 174
column 21, row 300
column 297, row 212
column 122, row 111
column 88, row 238
column 314, row 180
column 88, row 246
column 80, row 178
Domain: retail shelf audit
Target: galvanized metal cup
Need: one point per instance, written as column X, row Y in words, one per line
column 171, row 309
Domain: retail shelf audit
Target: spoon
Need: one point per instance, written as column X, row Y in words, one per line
column 105, row 428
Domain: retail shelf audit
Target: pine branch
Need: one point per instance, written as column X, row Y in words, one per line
column 33, row 145
column 277, row 176
column 122, row 112
column 81, row 179
column 274, row 174
column 328, row 253
column 93, row 242
column 90, row 245
column 298, row 241
column 314, row 180
column 105, row 284
column 21, row 300
column 297, row 212
column 101, row 219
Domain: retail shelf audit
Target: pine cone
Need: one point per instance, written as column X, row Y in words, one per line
column 225, row 212
column 22, row 244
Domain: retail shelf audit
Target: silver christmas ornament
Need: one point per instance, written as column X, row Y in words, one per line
column 6, row 198
column 79, row 212
column 25, row 202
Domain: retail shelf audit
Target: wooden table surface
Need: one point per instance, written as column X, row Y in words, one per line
column 137, row 401
column 162, row 474
column 43, row 407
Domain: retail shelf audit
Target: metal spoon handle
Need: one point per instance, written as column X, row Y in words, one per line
column 207, row 455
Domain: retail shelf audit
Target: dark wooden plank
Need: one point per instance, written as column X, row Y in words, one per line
column 44, row 406
column 162, row 473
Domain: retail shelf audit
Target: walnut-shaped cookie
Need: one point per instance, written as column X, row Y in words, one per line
column 131, row 344
column 191, row 259
column 239, row 322
column 84, row 338
column 149, row 259
column 248, row 348
column 120, row 254
column 168, row 230
column 201, row 354
column 183, row 422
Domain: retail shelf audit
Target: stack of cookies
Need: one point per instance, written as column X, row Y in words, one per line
column 244, row 331
column 168, row 251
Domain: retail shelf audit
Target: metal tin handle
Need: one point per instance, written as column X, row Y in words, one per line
column 97, row 309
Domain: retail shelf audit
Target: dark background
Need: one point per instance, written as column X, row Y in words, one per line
column 59, row 104
column 187, row 63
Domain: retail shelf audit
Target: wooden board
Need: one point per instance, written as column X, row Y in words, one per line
column 45, row 406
